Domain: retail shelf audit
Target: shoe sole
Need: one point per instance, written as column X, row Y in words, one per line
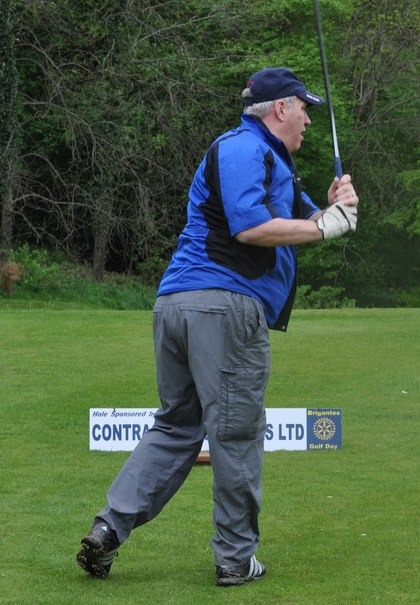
column 237, row 581
column 231, row 582
column 85, row 558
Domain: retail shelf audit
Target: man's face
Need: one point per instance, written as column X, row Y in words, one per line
column 296, row 120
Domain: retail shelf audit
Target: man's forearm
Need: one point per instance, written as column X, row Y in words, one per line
column 281, row 232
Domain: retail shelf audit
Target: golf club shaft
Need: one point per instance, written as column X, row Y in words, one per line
column 337, row 160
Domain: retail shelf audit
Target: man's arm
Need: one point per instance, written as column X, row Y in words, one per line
column 321, row 225
column 281, row 232
column 335, row 221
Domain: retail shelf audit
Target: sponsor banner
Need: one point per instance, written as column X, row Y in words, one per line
column 286, row 429
column 120, row 429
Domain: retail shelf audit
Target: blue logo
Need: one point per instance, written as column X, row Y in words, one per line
column 324, row 429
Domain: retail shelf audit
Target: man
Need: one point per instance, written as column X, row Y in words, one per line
column 232, row 277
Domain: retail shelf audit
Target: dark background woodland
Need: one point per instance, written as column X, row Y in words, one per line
column 107, row 106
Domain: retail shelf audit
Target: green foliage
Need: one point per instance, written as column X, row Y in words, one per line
column 8, row 80
column 49, row 278
column 117, row 102
column 409, row 298
column 40, row 273
column 405, row 217
column 379, row 50
column 327, row 297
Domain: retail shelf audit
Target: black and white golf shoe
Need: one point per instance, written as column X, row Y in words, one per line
column 235, row 576
column 99, row 548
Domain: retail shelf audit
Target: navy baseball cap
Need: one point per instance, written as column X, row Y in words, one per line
column 278, row 83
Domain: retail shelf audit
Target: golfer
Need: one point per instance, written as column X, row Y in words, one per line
column 231, row 278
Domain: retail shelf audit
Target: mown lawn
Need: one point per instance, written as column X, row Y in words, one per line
column 337, row 528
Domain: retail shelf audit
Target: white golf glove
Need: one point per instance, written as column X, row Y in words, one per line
column 337, row 220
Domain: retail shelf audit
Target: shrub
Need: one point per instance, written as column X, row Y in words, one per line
column 327, row 297
column 46, row 279
column 39, row 272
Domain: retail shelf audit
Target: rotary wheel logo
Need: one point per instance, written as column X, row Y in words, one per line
column 324, row 428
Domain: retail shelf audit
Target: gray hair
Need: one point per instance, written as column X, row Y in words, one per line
column 261, row 109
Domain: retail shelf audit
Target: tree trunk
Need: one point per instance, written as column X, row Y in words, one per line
column 6, row 225
column 102, row 229
column 99, row 255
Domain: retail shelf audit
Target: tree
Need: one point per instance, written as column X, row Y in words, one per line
column 8, row 125
column 107, row 159
column 118, row 101
column 379, row 51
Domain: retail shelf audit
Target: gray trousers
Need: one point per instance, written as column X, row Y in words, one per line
column 212, row 361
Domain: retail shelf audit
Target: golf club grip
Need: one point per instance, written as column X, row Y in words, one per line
column 337, row 167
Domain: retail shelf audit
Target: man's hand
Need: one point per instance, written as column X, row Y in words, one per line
column 342, row 190
column 337, row 220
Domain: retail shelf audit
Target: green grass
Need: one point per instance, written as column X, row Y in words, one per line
column 337, row 528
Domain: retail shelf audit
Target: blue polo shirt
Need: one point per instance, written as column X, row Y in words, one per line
column 246, row 178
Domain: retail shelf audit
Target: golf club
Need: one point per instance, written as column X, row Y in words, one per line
column 337, row 160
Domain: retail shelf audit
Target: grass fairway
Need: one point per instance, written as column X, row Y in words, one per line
column 337, row 528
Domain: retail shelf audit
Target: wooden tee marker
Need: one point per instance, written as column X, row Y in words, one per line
column 203, row 458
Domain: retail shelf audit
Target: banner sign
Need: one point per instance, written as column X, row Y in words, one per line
column 120, row 429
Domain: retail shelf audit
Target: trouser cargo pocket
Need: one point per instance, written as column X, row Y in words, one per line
column 242, row 412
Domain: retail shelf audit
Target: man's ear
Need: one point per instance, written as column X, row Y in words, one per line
column 279, row 109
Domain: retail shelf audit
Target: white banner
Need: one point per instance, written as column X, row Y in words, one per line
column 121, row 429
